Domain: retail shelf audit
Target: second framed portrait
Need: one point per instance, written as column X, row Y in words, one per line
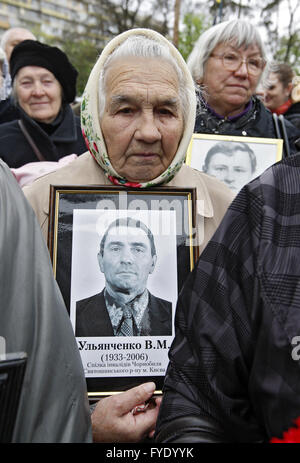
column 120, row 258
column 233, row 160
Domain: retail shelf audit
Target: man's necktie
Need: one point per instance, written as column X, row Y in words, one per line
column 127, row 325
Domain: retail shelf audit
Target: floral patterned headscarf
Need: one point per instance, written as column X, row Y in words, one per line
column 90, row 121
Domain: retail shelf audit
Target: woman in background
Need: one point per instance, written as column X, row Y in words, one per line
column 44, row 85
column 281, row 95
column 227, row 64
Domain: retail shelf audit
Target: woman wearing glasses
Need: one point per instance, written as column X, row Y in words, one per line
column 227, row 63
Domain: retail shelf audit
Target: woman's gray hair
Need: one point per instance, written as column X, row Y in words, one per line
column 239, row 32
column 139, row 45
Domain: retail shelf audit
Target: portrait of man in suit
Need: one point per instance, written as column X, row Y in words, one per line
column 125, row 307
column 233, row 163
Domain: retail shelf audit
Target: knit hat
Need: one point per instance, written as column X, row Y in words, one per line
column 34, row 53
column 90, row 120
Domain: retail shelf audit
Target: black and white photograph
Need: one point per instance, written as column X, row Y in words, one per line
column 120, row 259
column 124, row 277
column 233, row 160
column 123, row 290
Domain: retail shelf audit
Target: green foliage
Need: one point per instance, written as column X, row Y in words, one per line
column 289, row 51
column 82, row 53
column 284, row 47
column 116, row 16
column 113, row 16
column 193, row 26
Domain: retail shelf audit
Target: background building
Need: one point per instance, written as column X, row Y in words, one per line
column 50, row 20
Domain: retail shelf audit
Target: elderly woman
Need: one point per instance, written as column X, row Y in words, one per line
column 281, row 96
column 138, row 124
column 227, row 64
column 44, row 85
column 138, row 115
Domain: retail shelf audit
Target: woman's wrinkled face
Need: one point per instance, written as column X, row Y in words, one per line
column 228, row 92
column 39, row 93
column 142, row 122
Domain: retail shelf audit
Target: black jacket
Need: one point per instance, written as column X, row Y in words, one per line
column 293, row 114
column 64, row 137
column 257, row 122
column 8, row 111
column 234, row 364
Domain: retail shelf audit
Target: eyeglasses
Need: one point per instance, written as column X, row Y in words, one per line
column 232, row 62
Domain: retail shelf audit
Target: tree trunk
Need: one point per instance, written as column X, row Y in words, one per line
column 176, row 22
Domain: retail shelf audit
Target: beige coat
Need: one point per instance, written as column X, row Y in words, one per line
column 215, row 196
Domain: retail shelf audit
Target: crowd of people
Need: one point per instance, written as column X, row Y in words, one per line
column 231, row 375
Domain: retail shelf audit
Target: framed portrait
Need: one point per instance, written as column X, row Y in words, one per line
column 233, row 160
column 120, row 258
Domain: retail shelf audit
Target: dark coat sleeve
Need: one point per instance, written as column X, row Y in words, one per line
column 33, row 319
column 209, row 359
column 231, row 363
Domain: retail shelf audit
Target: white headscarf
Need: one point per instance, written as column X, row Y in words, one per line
column 90, row 121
